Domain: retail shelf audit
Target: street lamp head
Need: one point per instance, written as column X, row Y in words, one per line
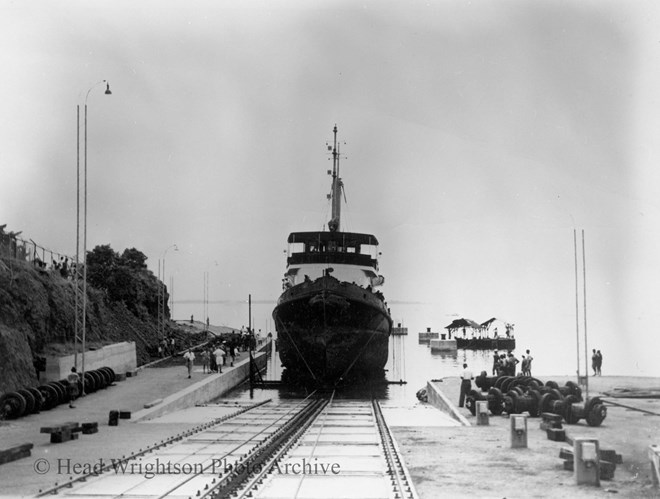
column 107, row 89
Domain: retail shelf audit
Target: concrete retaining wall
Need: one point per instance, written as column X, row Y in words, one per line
column 118, row 356
column 203, row 391
column 439, row 400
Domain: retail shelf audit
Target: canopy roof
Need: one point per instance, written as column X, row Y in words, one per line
column 459, row 323
column 488, row 322
column 343, row 238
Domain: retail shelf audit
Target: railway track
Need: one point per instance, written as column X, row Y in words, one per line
column 309, row 448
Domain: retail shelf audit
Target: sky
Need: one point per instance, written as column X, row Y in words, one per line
column 476, row 137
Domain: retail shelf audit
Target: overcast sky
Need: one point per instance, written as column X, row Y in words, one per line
column 478, row 136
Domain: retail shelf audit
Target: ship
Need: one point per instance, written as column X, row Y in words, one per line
column 333, row 324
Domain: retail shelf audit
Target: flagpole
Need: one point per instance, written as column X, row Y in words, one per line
column 577, row 306
column 586, row 349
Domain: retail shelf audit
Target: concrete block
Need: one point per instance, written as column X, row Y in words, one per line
column 518, row 431
column 611, row 456
column 131, row 374
column 556, row 434
column 587, row 462
column 113, row 418
column 482, row 412
column 607, row 470
column 124, row 414
column 550, row 420
column 90, row 428
column 15, row 453
column 60, row 437
column 120, row 376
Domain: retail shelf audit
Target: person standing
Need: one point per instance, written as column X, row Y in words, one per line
column 594, row 361
column 232, row 353
column 466, row 384
column 496, row 361
column 73, row 379
column 205, row 361
column 213, row 366
column 599, row 362
column 529, row 364
column 189, row 356
column 219, row 353
column 512, row 362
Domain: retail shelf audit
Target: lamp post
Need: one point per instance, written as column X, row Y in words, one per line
column 81, row 309
column 161, row 292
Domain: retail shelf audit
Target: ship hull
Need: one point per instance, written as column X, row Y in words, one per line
column 331, row 331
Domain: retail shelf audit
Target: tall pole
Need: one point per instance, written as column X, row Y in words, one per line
column 84, row 287
column 77, row 295
column 171, row 296
column 577, row 306
column 584, row 285
column 84, row 290
column 163, row 308
column 161, row 292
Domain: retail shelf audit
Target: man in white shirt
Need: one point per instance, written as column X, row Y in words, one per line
column 219, row 353
column 189, row 357
column 466, row 384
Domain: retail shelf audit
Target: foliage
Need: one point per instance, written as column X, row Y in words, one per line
column 125, row 278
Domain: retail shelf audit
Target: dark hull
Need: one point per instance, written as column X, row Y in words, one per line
column 330, row 331
column 486, row 343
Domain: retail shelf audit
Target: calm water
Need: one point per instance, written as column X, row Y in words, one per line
column 409, row 361
column 551, row 339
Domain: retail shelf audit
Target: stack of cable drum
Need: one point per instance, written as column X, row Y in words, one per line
column 27, row 401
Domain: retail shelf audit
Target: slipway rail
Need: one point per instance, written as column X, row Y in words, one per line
column 306, row 449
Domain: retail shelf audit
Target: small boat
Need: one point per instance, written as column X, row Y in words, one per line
column 333, row 324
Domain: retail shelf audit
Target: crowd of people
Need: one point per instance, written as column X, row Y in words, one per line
column 221, row 351
column 505, row 364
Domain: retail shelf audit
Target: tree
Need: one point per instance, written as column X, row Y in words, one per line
column 125, row 278
column 101, row 262
column 134, row 259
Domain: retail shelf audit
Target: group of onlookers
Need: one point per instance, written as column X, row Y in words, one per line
column 505, row 364
column 213, row 357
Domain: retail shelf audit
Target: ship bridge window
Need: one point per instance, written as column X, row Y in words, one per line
column 297, row 247
column 369, row 249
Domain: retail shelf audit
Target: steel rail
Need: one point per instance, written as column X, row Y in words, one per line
column 400, row 479
column 179, row 436
column 324, row 416
column 239, row 445
column 629, row 407
column 253, row 468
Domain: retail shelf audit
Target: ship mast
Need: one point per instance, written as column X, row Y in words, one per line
column 337, row 185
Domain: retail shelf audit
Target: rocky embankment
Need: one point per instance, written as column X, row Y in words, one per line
column 37, row 317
